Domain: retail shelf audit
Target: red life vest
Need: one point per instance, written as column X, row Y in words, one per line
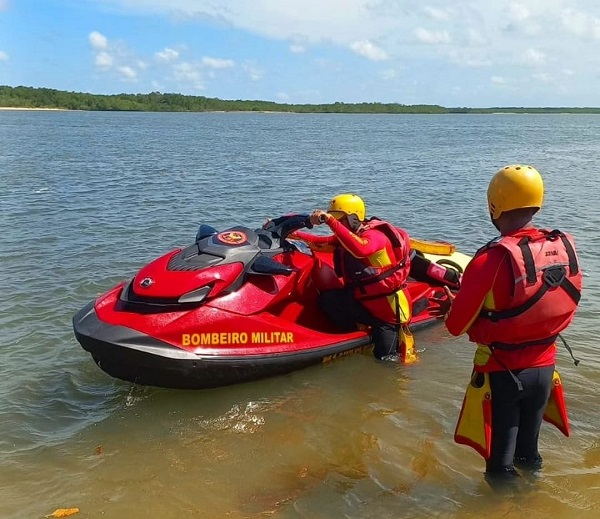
column 368, row 281
column 546, row 293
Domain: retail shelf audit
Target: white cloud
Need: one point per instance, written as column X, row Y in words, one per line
column 303, row 22
column 389, row 73
column 98, row 41
column 534, row 57
column 518, row 12
column 368, row 50
column 189, row 73
column 254, row 72
column 217, row 62
column 502, row 28
column 3, row 56
column 436, row 13
column 103, row 60
column 3, row 5
column 167, row 54
column 127, row 72
column 477, row 63
column 475, row 38
column 111, row 58
column 282, row 96
column 432, row 37
column 469, row 59
column 526, row 19
column 543, row 77
column 298, row 43
column 297, row 49
column 581, row 24
column 116, row 59
column 509, row 35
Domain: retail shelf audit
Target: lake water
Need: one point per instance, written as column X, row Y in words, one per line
column 86, row 198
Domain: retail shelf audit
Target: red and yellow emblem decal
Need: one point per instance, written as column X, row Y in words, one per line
column 232, row 237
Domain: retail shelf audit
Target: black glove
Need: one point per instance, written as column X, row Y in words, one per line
column 440, row 303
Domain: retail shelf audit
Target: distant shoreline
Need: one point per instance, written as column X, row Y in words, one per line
column 32, row 109
column 537, row 112
column 29, row 98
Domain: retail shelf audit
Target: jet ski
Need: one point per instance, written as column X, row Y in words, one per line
column 239, row 305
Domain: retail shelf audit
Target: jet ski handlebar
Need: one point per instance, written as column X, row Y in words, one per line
column 287, row 224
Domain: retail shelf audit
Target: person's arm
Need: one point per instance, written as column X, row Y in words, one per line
column 362, row 246
column 317, row 243
column 476, row 284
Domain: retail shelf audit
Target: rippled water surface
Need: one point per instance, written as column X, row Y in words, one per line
column 87, row 198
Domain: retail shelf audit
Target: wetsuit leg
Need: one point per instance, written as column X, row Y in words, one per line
column 505, row 423
column 517, row 417
column 345, row 312
column 538, row 384
column 385, row 340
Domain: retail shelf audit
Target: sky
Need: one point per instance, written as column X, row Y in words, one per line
column 454, row 53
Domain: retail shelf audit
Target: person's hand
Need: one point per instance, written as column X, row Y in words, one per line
column 442, row 303
column 318, row 217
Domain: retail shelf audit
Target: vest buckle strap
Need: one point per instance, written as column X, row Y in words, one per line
column 554, row 276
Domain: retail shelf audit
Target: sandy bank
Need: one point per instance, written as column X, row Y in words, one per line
column 31, row 109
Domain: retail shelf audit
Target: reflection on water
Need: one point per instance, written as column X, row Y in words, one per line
column 89, row 197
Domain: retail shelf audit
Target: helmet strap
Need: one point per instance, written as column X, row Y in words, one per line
column 495, row 223
column 353, row 222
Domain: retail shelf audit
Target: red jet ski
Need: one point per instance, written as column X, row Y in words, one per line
column 235, row 306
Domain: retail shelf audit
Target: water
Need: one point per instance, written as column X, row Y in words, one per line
column 87, row 198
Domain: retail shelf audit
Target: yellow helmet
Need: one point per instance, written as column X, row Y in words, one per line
column 347, row 204
column 515, row 187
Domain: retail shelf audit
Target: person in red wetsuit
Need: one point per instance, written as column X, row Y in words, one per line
column 372, row 259
column 517, row 294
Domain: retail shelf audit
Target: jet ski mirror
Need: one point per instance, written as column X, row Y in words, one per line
column 266, row 265
column 204, row 231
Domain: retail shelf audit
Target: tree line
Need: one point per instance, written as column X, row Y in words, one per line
column 29, row 97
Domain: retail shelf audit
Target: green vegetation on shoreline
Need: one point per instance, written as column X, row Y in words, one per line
column 29, row 97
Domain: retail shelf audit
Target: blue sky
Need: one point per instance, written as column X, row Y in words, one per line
column 472, row 53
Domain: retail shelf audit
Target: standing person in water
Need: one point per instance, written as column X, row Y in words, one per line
column 517, row 294
column 371, row 257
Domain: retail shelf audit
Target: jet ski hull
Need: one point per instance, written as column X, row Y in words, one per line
column 132, row 356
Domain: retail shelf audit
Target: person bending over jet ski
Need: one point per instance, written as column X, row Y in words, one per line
column 372, row 259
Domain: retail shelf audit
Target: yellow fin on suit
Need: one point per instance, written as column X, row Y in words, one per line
column 556, row 410
column 406, row 340
column 474, row 426
column 408, row 354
